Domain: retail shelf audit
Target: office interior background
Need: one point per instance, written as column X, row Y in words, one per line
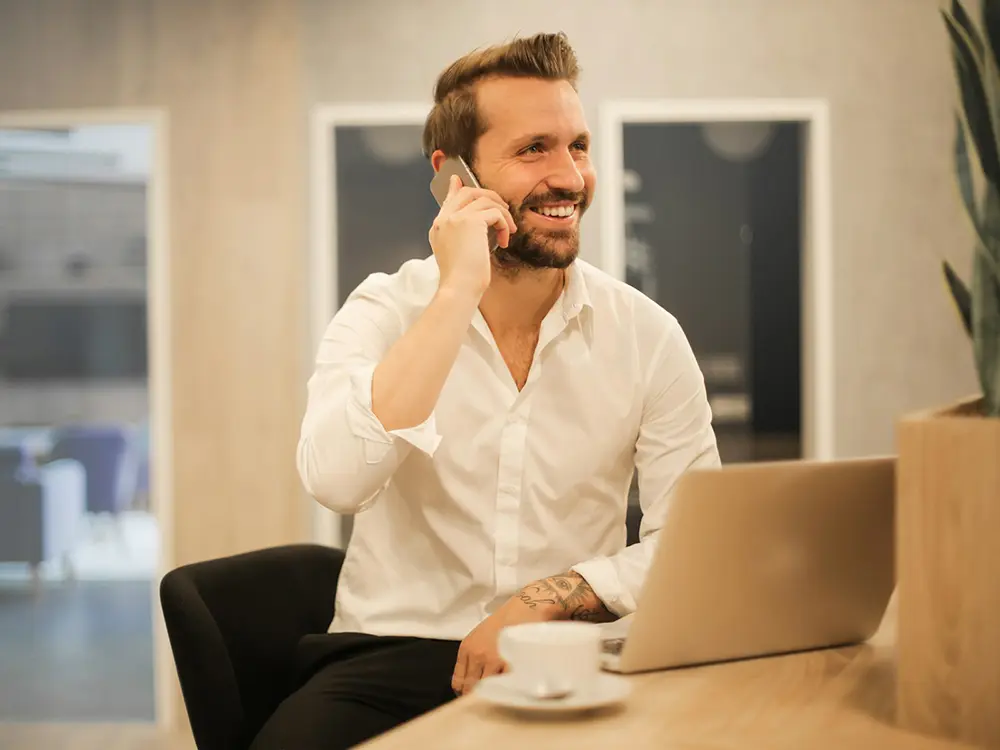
column 163, row 167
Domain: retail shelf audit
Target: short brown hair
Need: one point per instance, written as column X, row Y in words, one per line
column 454, row 124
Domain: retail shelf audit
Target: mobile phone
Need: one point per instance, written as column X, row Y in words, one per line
column 455, row 165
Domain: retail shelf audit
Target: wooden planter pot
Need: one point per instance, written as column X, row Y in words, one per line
column 948, row 572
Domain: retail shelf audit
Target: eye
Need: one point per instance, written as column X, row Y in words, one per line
column 534, row 148
column 581, row 146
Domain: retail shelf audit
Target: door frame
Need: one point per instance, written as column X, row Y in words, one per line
column 160, row 377
column 323, row 250
column 817, row 365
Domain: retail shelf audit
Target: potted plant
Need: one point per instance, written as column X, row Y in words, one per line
column 948, row 476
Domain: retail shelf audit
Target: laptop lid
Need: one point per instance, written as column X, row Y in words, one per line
column 767, row 558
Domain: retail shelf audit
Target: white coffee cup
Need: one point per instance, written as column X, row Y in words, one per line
column 547, row 659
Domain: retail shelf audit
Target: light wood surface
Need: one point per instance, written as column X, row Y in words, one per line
column 948, row 556
column 91, row 737
column 840, row 698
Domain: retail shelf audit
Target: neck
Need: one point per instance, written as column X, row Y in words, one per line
column 520, row 301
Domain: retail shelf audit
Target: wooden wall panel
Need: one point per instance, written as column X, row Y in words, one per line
column 230, row 72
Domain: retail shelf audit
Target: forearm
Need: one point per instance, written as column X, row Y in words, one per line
column 408, row 381
column 565, row 597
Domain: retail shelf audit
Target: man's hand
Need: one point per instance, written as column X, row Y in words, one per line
column 562, row 597
column 478, row 656
column 459, row 236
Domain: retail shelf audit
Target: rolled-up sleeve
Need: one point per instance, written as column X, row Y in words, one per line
column 345, row 456
column 675, row 435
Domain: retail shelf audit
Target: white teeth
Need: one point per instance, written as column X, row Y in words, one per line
column 558, row 211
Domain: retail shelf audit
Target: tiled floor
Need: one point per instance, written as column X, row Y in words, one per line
column 76, row 652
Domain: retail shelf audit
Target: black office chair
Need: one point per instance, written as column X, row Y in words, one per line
column 233, row 625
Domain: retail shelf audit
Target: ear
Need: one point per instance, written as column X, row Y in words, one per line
column 437, row 159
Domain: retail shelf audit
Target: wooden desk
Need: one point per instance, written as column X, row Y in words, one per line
column 840, row 698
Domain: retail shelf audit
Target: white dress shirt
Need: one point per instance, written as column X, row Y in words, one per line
column 498, row 487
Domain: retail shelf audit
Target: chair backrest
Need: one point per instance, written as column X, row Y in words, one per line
column 102, row 452
column 234, row 624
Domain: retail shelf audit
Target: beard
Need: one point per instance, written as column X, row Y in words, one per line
column 539, row 248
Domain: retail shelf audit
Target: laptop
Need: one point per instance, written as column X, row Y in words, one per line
column 762, row 559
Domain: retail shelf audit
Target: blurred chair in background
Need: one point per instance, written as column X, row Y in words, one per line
column 103, row 452
column 41, row 509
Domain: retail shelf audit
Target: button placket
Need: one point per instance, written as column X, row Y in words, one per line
column 509, row 493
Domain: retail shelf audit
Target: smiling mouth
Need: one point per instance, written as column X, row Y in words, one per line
column 558, row 213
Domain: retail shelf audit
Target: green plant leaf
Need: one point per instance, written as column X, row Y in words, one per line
column 985, row 294
column 991, row 84
column 965, row 21
column 990, row 16
column 988, row 247
column 963, row 169
column 974, row 101
column 992, row 268
column 984, row 289
column 960, row 294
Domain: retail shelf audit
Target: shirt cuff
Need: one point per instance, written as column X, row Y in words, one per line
column 365, row 425
column 603, row 578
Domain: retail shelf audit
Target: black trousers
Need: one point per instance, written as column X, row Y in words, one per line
column 356, row 686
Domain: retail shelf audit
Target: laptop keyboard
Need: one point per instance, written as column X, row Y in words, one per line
column 613, row 646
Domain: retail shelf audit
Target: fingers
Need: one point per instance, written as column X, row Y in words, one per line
column 473, row 674
column 471, row 668
column 499, row 220
column 494, row 212
column 496, row 667
column 487, row 204
column 463, row 196
column 495, row 215
column 458, row 676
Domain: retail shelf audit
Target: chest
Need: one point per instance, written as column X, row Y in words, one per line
column 573, row 422
column 518, row 351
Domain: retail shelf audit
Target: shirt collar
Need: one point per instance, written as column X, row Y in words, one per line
column 575, row 296
column 573, row 300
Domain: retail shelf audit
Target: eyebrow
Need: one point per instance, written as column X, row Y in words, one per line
column 547, row 138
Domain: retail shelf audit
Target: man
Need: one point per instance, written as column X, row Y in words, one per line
column 483, row 414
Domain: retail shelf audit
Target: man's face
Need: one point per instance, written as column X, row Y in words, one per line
column 536, row 154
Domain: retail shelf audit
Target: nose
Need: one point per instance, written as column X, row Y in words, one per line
column 566, row 174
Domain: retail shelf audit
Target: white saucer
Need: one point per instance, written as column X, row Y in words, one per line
column 605, row 690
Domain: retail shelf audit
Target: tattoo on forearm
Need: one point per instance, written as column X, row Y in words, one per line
column 533, row 601
column 571, row 593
